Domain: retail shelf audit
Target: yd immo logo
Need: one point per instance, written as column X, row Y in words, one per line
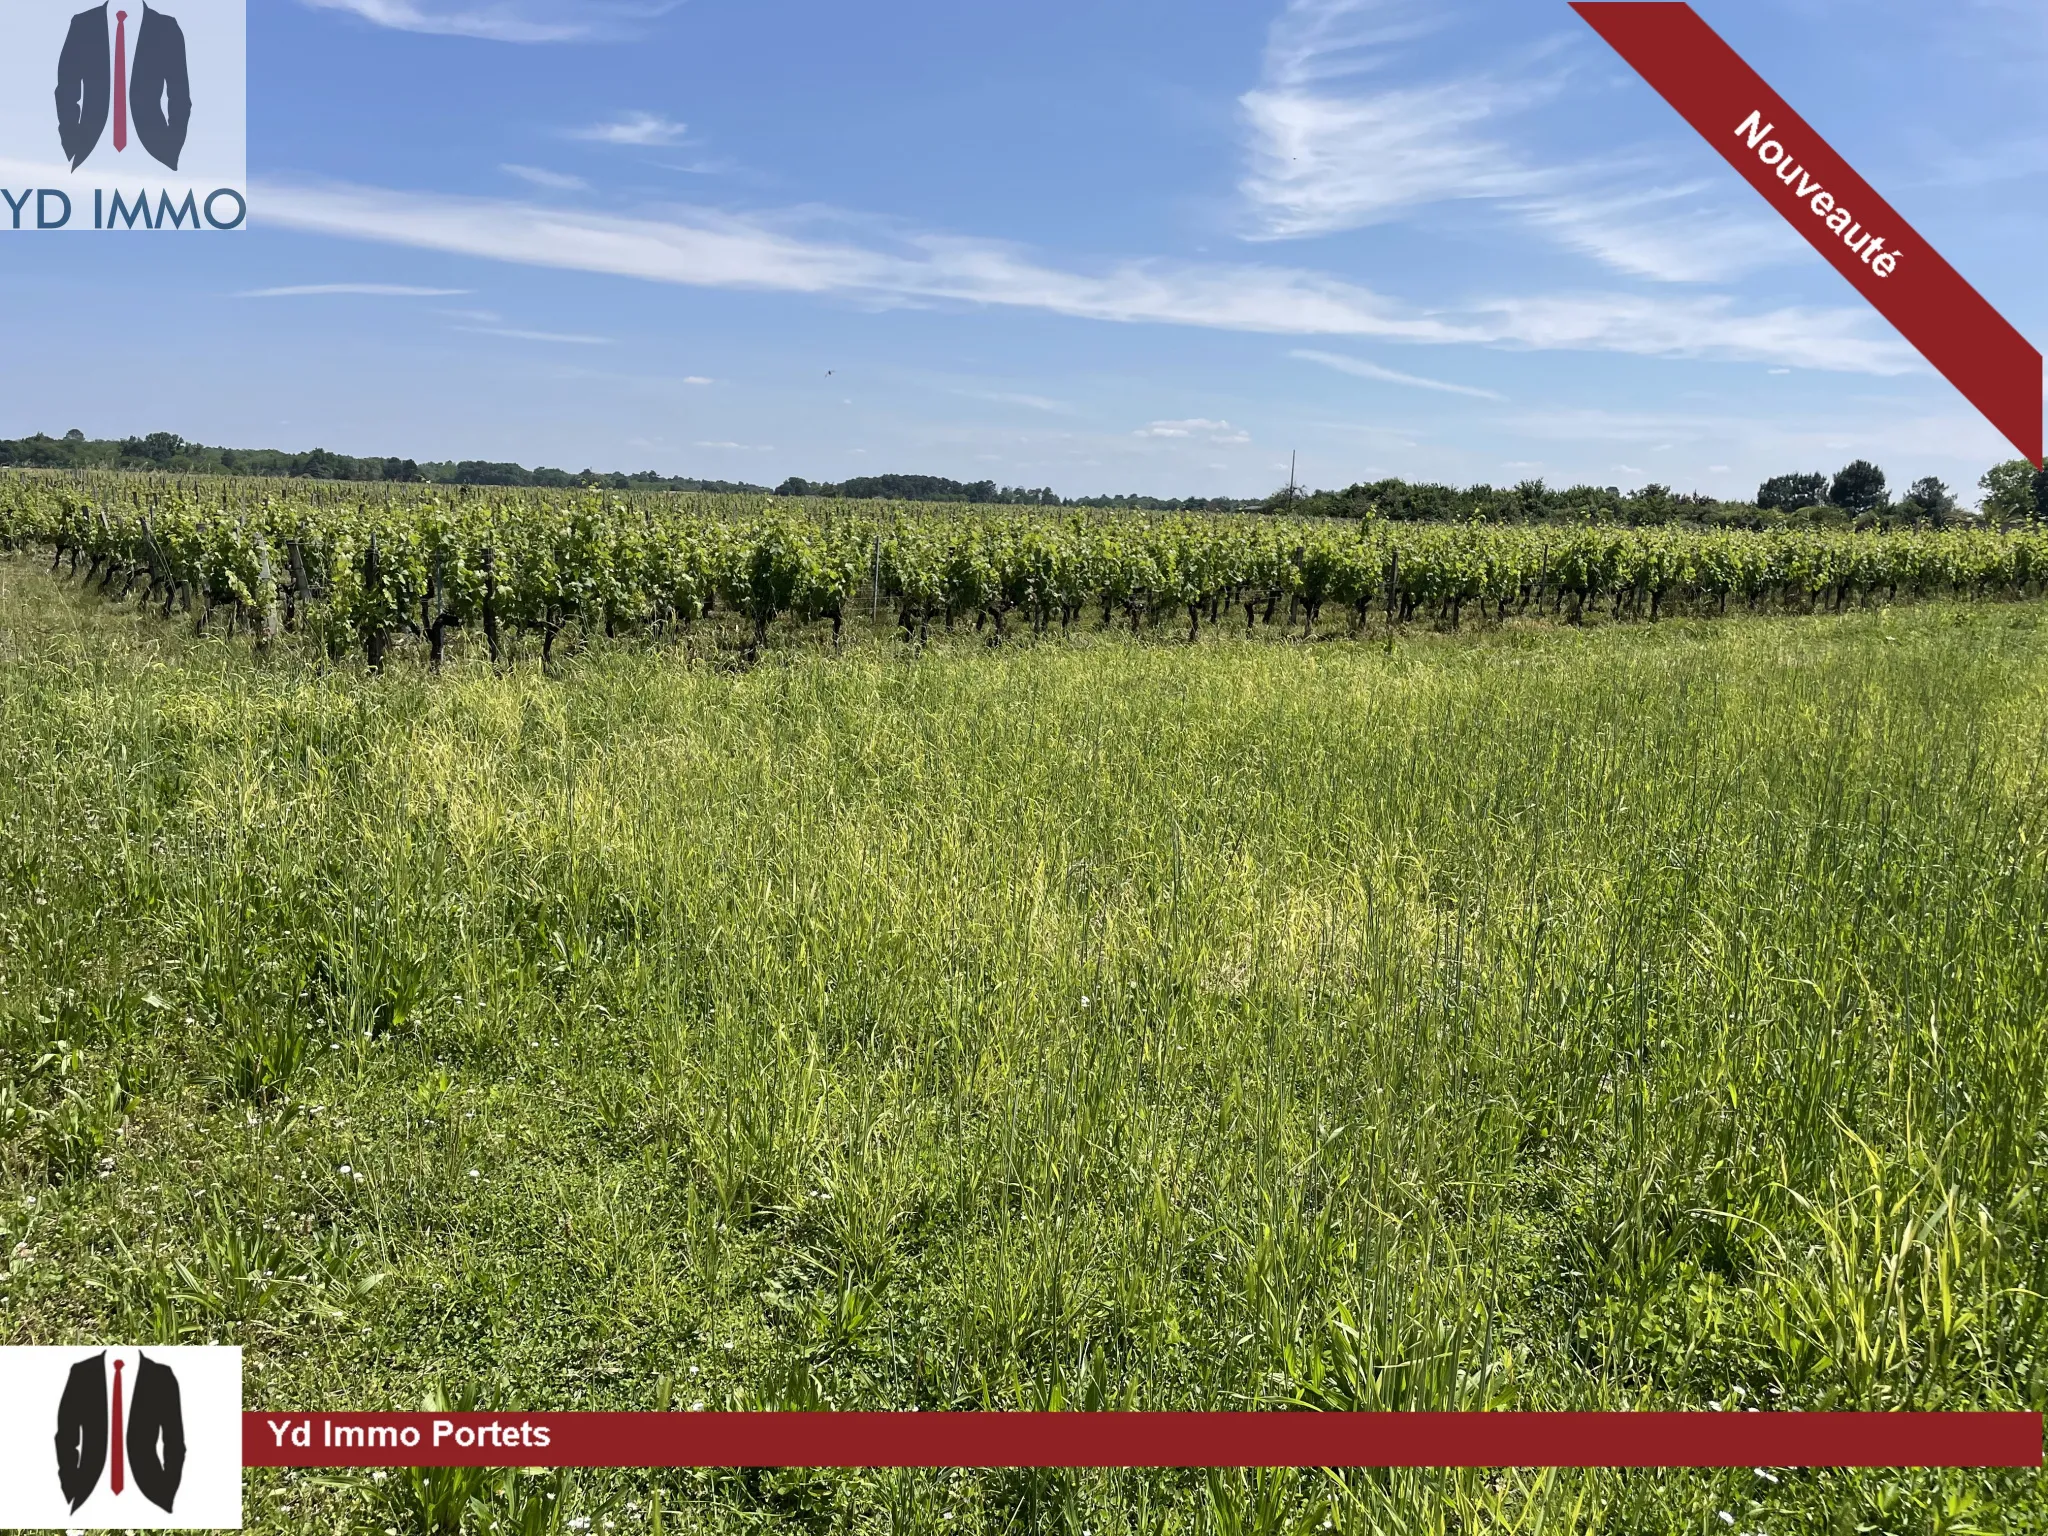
column 122, row 1437
column 145, row 126
column 152, row 88
column 145, row 1434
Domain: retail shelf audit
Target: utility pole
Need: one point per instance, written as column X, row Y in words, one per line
column 1290, row 479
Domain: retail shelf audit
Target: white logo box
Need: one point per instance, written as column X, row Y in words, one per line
column 181, row 110
column 179, row 1456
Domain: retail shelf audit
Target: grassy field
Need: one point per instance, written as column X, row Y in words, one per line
column 1627, row 1017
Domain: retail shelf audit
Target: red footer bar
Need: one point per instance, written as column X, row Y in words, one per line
column 1142, row 1439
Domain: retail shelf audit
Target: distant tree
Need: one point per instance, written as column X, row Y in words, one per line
column 1423, row 499
column 482, row 472
column 795, row 485
column 1027, row 496
column 1651, row 503
column 909, row 488
column 159, row 448
column 1792, row 493
column 73, row 436
column 318, row 464
column 43, row 451
column 2014, row 492
column 1931, row 498
column 1858, row 487
column 1580, row 501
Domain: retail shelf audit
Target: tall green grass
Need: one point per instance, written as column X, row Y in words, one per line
column 1618, row 1018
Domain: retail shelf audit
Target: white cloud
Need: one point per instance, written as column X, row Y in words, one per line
column 1908, row 432
column 1335, row 144
column 740, row 447
column 1708, row 326
column 1317, row 40
column 1007, row 397
column 709, row 248
column 504, row 21
column 370, row 290
column 1365, row 370
column 1593, row 424
column 1324, row 162
column 1662, row 233
column 567, row 337
column 1332, row 149
column 1195, row 426
column 697, row 378
column 642, row 129
column 555, row 181
column 1985, row 164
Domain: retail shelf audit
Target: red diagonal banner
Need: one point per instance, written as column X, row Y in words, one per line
column 511, row 1439
column 1779, row 154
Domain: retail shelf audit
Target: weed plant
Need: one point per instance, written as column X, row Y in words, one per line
column 1619, row 1018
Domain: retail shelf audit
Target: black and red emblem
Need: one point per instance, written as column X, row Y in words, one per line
column 143, row 1427
column 152, row 91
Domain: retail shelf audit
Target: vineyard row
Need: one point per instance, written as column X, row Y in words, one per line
column 360, row 575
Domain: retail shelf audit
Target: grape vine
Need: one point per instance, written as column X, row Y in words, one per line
column 359, row 568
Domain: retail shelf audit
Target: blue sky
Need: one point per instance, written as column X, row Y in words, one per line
column 1136, row 246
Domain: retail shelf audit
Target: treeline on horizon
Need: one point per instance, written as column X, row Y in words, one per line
column 987, row 493
column 1858, row 495
column 168, row 453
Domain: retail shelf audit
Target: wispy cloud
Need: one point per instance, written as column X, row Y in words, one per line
column 643, row 129
column 2018, row 158
column 1908, row 431
column 1010, row 397
column 1324, row 162
column 1707, row 325
column 710, row 248
column 739, row 447
column 554, row 181
column 506, row 21
column 698, row 378
column 1197, row 427
column 1365, row 370
column 1336, row 143
column 567, row 338
column 714, row 249
column 1333, row 147
column 370, row 290
column 701, row 166
column 1667, row 234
